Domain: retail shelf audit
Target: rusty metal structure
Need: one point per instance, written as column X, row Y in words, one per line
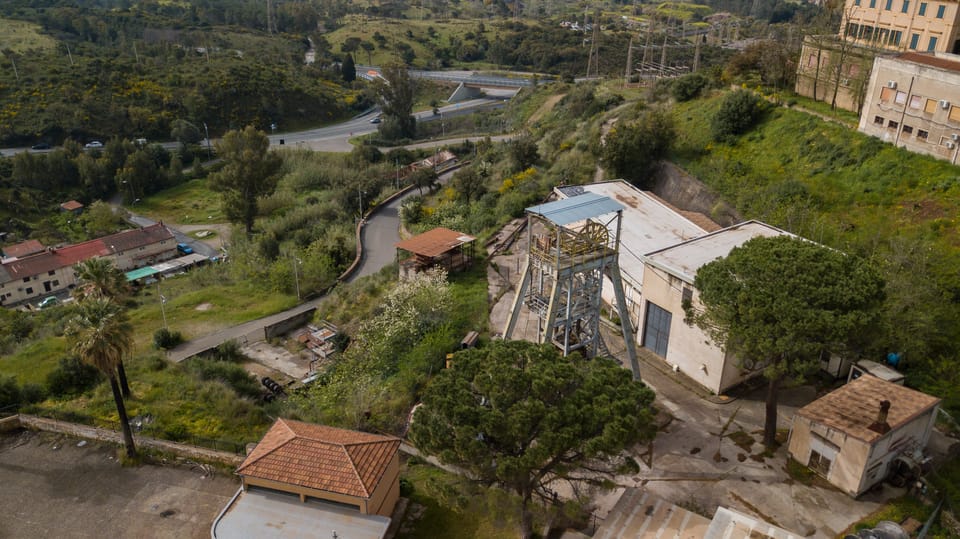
column 573, row 244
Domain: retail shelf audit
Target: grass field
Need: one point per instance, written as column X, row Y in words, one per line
column 189, row 203
column 21, row 37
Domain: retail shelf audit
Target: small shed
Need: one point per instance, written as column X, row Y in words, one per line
column 441, row 247
column 854, row 435
column 350, row 468
column 71, row 206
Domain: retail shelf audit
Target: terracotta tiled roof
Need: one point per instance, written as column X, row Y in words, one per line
column 139, row 237
column 320, row 457
column 22, row 249
column 853, row 408
column 435, row 242
column 71, row 205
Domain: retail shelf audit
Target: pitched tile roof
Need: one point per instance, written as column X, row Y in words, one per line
column 320, row 457
column 71, row 205
column 853, row 407
column 138, row 237
column 23, row 248
column 434, row 243
column 71, row 254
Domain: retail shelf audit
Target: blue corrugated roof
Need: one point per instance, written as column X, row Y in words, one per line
column 578, row 208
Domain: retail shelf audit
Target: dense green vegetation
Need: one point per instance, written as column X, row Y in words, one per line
column 824, row 182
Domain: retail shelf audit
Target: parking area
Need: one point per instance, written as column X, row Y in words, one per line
column 58, row 486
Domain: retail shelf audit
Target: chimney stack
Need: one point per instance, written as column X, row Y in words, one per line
column 880, row 425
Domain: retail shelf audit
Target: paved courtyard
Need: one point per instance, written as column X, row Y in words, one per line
column 58, row 486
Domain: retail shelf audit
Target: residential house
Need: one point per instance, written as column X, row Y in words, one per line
column 854, row 435
column 51, row 270
column 913, row 102
column 22, row 249
column 72, row 206
column 667, row 286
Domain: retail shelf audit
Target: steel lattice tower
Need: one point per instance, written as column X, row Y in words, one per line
column 573, row 244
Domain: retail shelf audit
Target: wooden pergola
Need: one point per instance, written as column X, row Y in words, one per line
column 448, row 249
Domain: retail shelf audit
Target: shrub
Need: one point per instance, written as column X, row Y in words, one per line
column 229, row 351
column 738, row 112
column 688, row 87
column 9, row 392
column 232, row 375
column 32, row 393
column 71, row 377
column 165, row 339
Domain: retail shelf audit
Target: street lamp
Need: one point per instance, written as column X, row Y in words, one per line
column 163, row 310
column 296, row 275
column 207, row 133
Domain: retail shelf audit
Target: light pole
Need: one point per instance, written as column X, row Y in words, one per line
column 398, row 174
column 360, row 202
column 443, row 130
column 163, row 310
column 207, row 133
column 296, row 276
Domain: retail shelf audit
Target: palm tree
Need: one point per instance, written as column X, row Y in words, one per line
column 100, row 335
column 100, row 278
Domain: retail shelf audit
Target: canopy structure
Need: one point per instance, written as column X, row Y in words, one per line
column 440, row 247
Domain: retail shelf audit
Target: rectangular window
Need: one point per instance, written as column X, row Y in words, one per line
column 907, row 129
column 51, row 272
column 930, row 107
column 29, row 290
column 873, row 4
column 921, row 134
column 812, row 60
column 56, row 283
column 895, row 37
column 878, row 120
column 923, row 9
column 892, row 124
column 26, row 279
column 656, row 334
column 889, row 5
column 916, row 102
column 914, row 41
column 954, row 114
column 906, row 6
column 887, row 94
column 856, row 2
column 901, row 98
column 932, row 46
column 940, row 11
column 819, row 463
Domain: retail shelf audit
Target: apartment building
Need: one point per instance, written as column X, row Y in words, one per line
column 913, row 102
column 836, row 69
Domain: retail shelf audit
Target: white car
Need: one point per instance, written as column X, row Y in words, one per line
column 93, row 144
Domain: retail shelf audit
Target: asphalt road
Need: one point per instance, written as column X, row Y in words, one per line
column 336, row 137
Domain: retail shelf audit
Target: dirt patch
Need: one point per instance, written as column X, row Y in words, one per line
column 742, row 440
column 924, row 210
column 546, row 107
column 204, row 307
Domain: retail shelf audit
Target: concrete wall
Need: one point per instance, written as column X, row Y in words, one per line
column 911, row 115
column 679, row 188
column 16, row 291
column 146, row 255
column 817, row 71
column 288, row 324
column 688, row 347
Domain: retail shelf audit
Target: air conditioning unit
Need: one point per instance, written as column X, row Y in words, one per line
column 955, row 137
column 944, row 104
column 892, row 84
column 950, row 144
